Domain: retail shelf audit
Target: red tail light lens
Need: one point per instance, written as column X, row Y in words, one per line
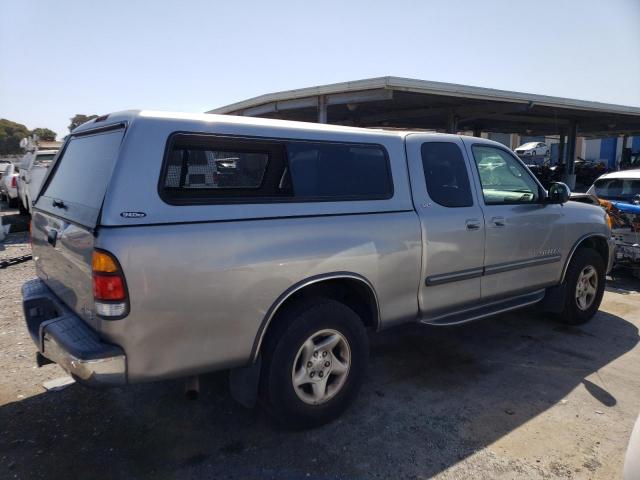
column 109, row 286
column 14, row 182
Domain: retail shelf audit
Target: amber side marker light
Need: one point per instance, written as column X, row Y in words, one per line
column 109, row 286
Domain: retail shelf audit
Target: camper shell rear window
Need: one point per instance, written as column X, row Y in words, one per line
column 207, row 169
column 78, row 182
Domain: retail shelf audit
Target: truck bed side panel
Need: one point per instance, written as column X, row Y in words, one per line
column 200, row 291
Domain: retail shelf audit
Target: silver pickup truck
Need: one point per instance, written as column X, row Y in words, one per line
column 168, row 245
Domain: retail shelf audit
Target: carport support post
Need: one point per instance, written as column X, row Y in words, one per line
column 477, row 131
column 322, row 109
column 452, row 122
column 561, row 145
column 569, row 176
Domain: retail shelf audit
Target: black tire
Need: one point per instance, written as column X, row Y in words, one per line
column 572, row 314
column 13, row 202
column 295, row 325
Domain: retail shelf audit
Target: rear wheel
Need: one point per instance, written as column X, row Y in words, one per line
column 314, row 363
column 584, row 286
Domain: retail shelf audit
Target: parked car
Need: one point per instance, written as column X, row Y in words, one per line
column 9, row 184
column 154, row 265
column 532, row 149
column 619, row 193
column 33, row 169
column 3, row 165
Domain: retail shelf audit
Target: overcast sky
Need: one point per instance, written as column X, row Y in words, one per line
column 58, row 58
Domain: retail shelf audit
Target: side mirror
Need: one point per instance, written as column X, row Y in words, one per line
column 558, row 193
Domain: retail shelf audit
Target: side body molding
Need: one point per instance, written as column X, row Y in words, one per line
column 301, row 285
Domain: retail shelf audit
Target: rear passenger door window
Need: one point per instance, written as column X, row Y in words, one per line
column 210, row 169
column 445, row 174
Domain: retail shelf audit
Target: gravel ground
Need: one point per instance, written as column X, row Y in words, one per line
column 517, row 396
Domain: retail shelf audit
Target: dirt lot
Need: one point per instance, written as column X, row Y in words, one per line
column 517, row 396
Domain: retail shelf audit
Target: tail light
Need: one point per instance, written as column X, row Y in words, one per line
column 109, row 286
column 14, row 182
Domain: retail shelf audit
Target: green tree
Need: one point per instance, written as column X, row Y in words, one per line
column 44, row 134
column 10, row 135
column 78, row 119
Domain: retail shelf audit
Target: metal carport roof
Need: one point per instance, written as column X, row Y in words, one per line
column 409, row 103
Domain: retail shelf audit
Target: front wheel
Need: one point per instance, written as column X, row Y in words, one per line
column 314, row 363
column 584, row 286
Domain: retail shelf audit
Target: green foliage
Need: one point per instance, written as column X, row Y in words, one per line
column 10, row 135
column 78, row 119
column 44, row 134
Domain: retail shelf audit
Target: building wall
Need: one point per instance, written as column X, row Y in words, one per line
column 592, row 149
column 609, row 149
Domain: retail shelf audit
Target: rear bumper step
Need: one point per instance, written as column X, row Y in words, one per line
column 64, row 338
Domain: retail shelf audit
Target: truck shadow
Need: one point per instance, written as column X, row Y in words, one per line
column 433, row 396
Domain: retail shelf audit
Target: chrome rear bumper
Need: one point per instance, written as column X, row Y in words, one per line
column 64, row 338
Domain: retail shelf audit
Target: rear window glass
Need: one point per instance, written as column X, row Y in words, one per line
column 625, row 189
column 81, row 176
column 202, row 169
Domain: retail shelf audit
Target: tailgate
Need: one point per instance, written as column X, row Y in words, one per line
column 66, row 215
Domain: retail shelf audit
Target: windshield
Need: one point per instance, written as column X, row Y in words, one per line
column 624, row 189
column 528, row 145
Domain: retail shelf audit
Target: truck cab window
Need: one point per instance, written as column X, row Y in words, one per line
column 504, row 180
column 445, row 174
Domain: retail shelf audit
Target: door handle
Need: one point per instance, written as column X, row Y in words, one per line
column 473, row 224
column 498, row 221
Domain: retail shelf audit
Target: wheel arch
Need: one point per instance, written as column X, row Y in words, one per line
column 596, row 241
column 350, row 288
